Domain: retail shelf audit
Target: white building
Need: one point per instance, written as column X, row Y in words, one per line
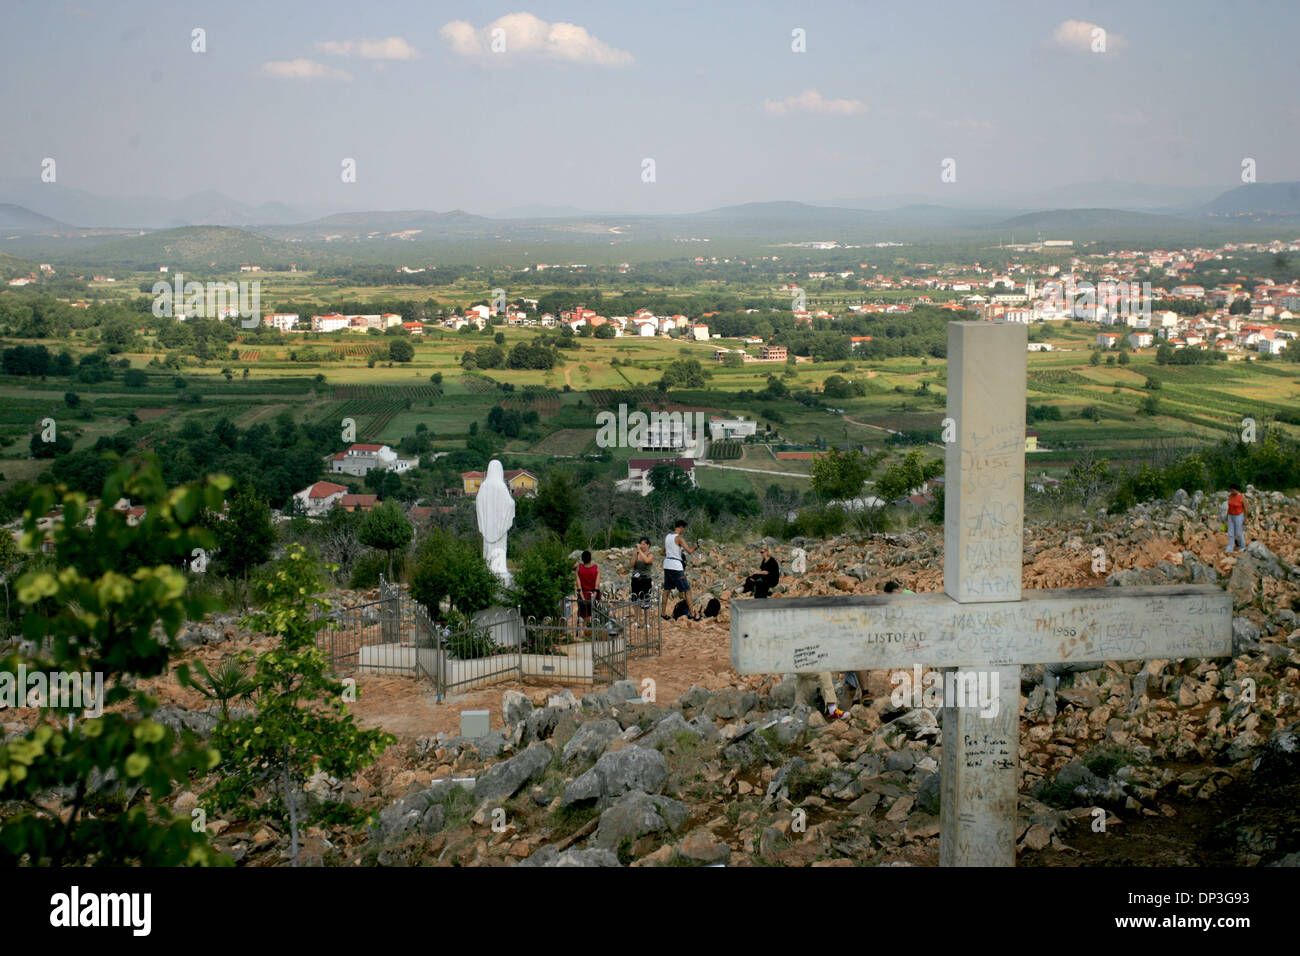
column 1140, row 340
column 638, row 473
column 282, row 321
column 360, row 459
column 725, row 429
column 320, row 497
column 329, row 323
column 669, row 433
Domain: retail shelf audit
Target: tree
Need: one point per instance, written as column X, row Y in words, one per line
column 245, row 536
column 605, row 331
column 840, row 475
column 40, row 448
column 95, row 612
column 138, row 378
column 1123, row 358
column 499, row 338
column 1087, row 479
column 837, row 386
column 71, row 399
column 400, row 350
column 1094, row 358
column 386, row 529
column 683, row 373
column 544, row 577
column 912, row 472
column 557, row 502
column 301, row 724
column 1164, row 352
column 450, row 567
column 336, row 538
column 670, row 485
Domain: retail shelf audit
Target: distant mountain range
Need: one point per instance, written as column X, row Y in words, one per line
column 18, row 219
column 70, row 224
column 87, row 210
column 1259, row 200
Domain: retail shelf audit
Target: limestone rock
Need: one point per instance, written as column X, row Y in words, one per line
column 616, row 773
column 507, row 778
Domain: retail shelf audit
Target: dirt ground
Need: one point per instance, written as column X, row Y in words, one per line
column 694, row 652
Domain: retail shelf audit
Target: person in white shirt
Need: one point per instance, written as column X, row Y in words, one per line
column 675, row 569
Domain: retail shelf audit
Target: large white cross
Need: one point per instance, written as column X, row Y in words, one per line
column 981, row 622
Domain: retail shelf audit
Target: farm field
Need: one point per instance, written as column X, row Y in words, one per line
column 330, row 378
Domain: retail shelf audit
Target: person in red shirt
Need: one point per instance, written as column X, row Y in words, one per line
column 588, row 580
column 1236, row 519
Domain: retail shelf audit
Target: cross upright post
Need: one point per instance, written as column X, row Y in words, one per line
column 983, row 528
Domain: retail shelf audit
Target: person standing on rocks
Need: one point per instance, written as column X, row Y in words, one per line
column 643, row 561
column 675, row 569
column 588, row 585
column 1236, row 519
column 765, row 578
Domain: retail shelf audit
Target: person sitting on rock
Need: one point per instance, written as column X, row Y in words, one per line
column 762, row 581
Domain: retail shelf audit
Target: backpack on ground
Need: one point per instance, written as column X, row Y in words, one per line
column 713, row 608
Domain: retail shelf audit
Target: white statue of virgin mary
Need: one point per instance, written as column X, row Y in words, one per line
column 496, row 513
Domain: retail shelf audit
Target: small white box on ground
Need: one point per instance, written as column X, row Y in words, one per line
column 475, row 723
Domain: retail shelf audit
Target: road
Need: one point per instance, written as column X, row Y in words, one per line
column 756, row 471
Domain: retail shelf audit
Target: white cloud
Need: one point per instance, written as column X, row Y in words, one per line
column 302, row 69
column 811, row 101
column 1086, row 37
column 525, row 34
column 391, row 48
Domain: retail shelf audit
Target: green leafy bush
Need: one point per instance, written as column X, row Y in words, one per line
column 544, row 578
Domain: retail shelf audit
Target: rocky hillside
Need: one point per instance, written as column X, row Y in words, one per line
column 1187, row 762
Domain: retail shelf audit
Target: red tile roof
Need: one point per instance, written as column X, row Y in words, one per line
column 323, row 489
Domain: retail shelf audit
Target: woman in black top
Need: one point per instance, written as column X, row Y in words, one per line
column 765, row 578
column 642, row 561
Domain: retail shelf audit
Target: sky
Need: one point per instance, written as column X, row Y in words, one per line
column 1023, row 96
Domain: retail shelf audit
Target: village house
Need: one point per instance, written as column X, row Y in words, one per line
column 359, row 459
column 320, row 498
column 352, row 502
column 280, row 321
column 726, row 429
column 522, row 483
column 638, row 473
